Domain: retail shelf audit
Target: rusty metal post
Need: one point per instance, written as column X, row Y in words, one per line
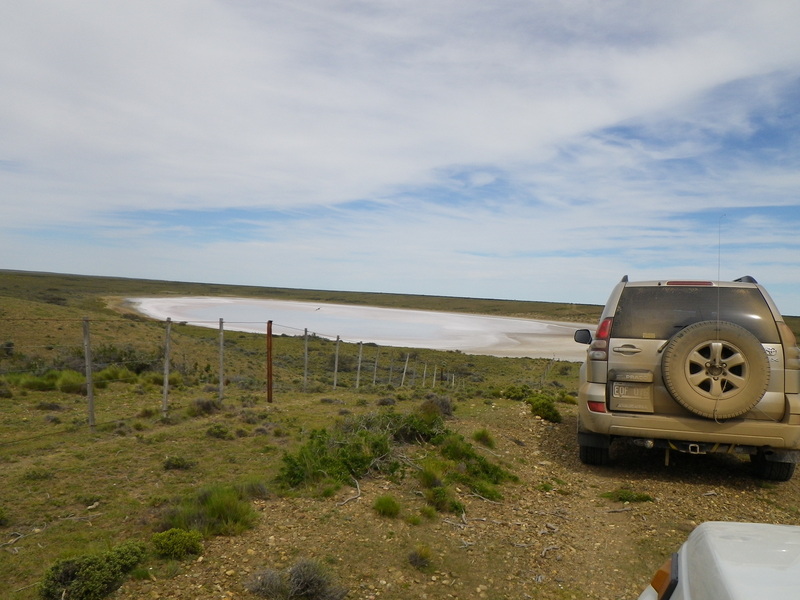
column 269, row 361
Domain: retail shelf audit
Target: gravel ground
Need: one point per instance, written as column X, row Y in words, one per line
column 553, row 536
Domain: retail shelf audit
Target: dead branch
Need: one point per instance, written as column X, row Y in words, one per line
column 356, row 497
column 548, row 549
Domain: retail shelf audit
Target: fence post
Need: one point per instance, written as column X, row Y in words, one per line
column 164, row 401
column 336, row 364
column 269, row 361
column 358, row 370
column 405, row 369
column 221, row 360
column 375, row 370
column 87, row 352
column 433, row 379
column 305, row 360
column 424, row 374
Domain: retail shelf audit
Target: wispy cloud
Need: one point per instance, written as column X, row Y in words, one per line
column 512, row 149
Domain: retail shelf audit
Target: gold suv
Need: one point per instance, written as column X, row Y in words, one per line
column 692, row 366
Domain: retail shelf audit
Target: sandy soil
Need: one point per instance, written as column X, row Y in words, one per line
column 473, row 334
column 553, row 536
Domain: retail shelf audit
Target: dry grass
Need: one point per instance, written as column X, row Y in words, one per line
column 69, row 490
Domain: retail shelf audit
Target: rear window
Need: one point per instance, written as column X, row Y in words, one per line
column 660, row 312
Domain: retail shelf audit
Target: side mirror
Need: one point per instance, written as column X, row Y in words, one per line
column 583, row 336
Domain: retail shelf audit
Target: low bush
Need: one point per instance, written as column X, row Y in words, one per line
column 178, row 463
column 421, row 557
column 437, row 406
column 219, row 431
column 203, row 407
column 484, row 438
column 177, row 544
column 336, row 457
column 91, row 577
column 40, row 383
column 115, row 373
column 543, row 406
column 71, row 382
column 306, row 580
column 216, row 510
column 386, row 506
column 443, row 500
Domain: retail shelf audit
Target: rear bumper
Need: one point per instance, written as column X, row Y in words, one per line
column 733, row 432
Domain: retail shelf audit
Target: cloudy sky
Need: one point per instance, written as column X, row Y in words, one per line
column 531, row 150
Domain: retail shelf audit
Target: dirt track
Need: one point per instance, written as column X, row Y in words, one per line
column 553, row 536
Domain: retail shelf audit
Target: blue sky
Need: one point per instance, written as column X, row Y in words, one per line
column 513, row 149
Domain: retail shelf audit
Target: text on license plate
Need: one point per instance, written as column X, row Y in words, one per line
column 630, row 390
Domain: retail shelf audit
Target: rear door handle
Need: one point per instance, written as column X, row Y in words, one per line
column 627, row 349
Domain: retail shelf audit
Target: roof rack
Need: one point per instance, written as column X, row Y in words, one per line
column 746, row 279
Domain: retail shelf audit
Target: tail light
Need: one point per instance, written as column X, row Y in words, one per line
column 666, row 579
column 598, row 349
column 791, row 353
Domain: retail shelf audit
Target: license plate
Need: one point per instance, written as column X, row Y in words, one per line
column 632, row 397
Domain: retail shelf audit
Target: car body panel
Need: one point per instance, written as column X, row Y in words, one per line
column 737, row 561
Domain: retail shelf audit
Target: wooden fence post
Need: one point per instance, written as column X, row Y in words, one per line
column 164, row 401
column 87, row 353
column 405, row 369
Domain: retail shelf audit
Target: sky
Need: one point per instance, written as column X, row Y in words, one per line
column 517, row 149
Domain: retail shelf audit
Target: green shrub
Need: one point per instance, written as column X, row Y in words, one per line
column 435, row 406
column 37, row 474
column 338, row 458
column 219, row 431
column 421, row 557
column 203, row 407
column 4, row 520
column 544, row 407
column 176, row 544
column 40, row 383
column 71, row 382
column 517, row 392
column 91, row 577
column 217, row 510
column 115, row 373
column 443, row 500
column 484, row 438
column 178, row 463
column 252, row 489
column 386, row 506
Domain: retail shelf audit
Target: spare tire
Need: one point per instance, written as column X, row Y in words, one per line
column 715, row 369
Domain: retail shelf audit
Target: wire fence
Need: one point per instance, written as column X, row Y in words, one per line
column 86, row 356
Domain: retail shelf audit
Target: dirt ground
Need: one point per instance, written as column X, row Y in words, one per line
column 552, row 536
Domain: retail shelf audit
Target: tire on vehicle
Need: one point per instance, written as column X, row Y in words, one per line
column 591, row 455
column 771, row 470
column 715, row 369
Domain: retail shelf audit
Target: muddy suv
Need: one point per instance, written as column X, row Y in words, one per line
column 692, row 366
